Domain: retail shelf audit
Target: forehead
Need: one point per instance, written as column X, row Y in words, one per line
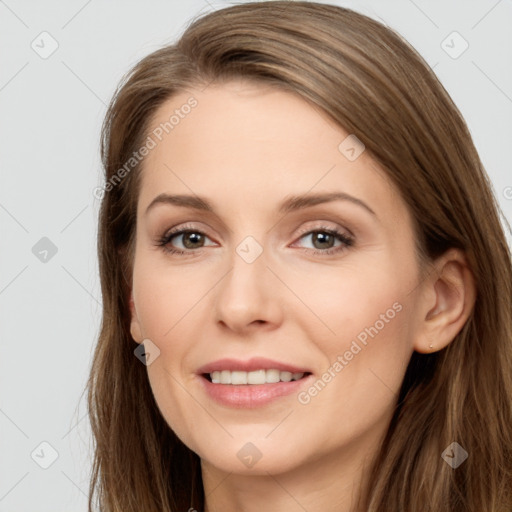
column 259, row 141
column 244, row 119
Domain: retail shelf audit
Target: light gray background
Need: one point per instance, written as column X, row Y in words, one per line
column 51, row 111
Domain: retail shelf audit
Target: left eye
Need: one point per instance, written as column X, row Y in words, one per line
column 324, row 239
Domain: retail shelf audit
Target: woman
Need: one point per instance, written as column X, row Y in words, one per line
column 306, row 286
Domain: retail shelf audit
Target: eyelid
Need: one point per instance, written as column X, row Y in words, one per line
column 186, row 227
column 323, row 225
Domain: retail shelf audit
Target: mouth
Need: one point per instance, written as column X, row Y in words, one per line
column 254, row 389
column 252, row 383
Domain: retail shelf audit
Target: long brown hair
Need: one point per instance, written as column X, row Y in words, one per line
column 376, row 86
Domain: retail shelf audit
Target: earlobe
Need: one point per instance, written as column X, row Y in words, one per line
column 450, row 294
column 135, row 327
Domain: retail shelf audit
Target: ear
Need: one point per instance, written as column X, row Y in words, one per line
column 135, row 327
column 447, row 299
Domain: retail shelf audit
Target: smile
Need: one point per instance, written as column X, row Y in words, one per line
column 256, row 377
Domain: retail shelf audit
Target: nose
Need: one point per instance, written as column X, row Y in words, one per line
column 249, row 296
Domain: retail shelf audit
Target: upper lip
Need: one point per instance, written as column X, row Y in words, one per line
column 256, row 363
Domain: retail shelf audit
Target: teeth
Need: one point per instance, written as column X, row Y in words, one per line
column 225, row 376
column 257, row 377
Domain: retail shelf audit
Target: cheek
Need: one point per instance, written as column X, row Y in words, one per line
column 367, row 350
column 168, row 310
column 349, row 300
column 364, row 338
column 165, row 298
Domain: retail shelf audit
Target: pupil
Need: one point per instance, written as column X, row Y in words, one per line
column 194, row 238
column 323, row 238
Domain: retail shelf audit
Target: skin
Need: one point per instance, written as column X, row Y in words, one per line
column 246, row 148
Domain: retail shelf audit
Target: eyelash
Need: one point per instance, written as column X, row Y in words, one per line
column 347, row 241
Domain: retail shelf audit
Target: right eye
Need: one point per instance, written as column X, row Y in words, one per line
column 190, row 240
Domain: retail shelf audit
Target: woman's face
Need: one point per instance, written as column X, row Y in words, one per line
column 270, row 270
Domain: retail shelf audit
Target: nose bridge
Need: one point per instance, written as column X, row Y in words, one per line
column 245, row 295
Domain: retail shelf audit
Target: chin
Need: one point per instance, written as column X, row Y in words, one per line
column 257, row 457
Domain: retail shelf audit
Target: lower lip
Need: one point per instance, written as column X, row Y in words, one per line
column 246, row 396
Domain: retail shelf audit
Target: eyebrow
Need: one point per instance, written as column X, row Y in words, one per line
column 292, row 203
